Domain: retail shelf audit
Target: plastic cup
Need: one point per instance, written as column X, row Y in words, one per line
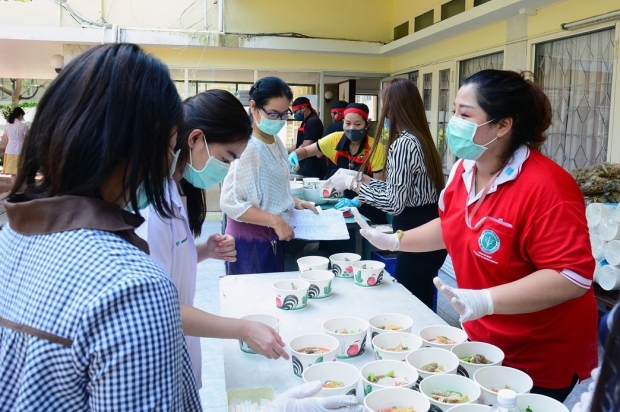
column 612, row 252
column 598, row 246
column 609, row 229
column 595, row 212
column 609, row 277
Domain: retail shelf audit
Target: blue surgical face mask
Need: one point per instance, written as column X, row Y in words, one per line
column 213, row 173
column 461, row 134
column 386, row 124
column 299, row 116
column 270, row 127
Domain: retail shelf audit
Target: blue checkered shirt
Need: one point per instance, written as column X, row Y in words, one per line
column 119, row 309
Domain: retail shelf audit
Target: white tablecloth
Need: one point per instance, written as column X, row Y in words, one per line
column 248, row 294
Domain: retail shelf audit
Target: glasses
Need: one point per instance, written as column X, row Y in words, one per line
column 277, row 115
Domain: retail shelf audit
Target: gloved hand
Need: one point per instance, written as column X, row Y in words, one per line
column 471, row 304
column 380, row 240
column 348, row 203
column 300, row 399
column 342, row 179
column 293, row 161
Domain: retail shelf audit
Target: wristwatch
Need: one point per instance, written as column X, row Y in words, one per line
column 355, row 184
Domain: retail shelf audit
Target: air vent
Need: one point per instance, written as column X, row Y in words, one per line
column 401, row 30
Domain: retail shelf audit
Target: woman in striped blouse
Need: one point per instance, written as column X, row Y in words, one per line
column 414, row 179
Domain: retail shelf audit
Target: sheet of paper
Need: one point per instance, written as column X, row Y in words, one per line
column 327, row 225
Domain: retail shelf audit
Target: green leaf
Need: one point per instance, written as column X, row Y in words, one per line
column 328, row 289
column 319, row 359
column 367, row 390
column 304, row 299
column 379, row 357
column 358, row 277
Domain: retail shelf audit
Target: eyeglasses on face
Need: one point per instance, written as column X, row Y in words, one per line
column 273, row 115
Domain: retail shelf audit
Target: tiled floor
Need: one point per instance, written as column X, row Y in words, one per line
column 207, row 298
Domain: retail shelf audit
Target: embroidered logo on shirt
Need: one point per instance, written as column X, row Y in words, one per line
column 180, row 242
column 488, row 241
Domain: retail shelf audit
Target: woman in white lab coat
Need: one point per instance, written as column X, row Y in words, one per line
column 215, row 133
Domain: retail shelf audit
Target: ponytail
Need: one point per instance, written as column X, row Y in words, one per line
column 18, row 111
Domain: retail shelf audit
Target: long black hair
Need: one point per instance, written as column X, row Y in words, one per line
column 502, row 94
column 18, row 111
column 222, row 119
column 112, row 109
column 607, row 392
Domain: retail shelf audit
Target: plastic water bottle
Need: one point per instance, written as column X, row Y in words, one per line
column 506, row 401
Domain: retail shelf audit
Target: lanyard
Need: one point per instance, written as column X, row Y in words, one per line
column 468, row 216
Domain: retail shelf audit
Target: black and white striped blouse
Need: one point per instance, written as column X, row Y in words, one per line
column 407, row 183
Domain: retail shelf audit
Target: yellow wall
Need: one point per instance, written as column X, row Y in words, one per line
column 368, row 20
column 471, row 42
column 30, row 14
column 548, row 19
column 268, row 60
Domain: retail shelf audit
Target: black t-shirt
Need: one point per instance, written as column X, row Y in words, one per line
column 311, row 129
column 334, row 127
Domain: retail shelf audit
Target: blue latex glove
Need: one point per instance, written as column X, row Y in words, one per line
column 348, row 203
column 293, row 161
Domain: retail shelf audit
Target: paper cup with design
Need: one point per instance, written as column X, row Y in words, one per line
column 538, row 403
column 395, row 345
column 432, row 361
column 312, row 263
column 475, row 355
column 342, row 264
column 470, row 407
column 446, row 391
column 368, row 273
column 387, row 373
column 351, row 335
column 307, row 350
column 320, row 283
column 291, row 294
column 339, row 378
column 389, row 322
column 268, row 320
column 493, row 378
column 442, row 336
column 388, row 398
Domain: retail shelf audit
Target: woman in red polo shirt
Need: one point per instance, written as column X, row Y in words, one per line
column 514, row 224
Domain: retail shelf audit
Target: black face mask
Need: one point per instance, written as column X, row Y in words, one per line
column 355, row 135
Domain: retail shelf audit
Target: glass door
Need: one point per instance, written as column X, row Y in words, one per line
column 437, row 87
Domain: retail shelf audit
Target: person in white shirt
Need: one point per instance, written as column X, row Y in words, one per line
column 256, row 192
column 14, row 133
column 216, row 130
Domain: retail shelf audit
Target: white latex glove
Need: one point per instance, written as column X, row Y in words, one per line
column 471, row 304
column 378, row 239
column 341, row 180
column 300, row 399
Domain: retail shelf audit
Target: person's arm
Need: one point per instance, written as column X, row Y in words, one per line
column 220, row 247
column 255, row 216
column 391, row 195
column 309, row 150
column 261, row 338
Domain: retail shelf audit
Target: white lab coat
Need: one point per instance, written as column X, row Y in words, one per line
column 172, row 246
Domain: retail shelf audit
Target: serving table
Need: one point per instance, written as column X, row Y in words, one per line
column 242, row 295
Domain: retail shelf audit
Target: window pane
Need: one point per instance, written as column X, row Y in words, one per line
column 472, row 66
column 370, row 100
column 576, row 74
column 479, row 2
column 413, row 77
column 452, row 8
column 424, row 20
column 444, row 116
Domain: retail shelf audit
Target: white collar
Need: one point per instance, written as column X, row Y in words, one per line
column 510, row 172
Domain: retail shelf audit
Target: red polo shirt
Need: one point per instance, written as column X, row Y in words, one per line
column 535, row 220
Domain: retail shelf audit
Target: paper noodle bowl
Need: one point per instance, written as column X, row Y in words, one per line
column 492, row 378
column 396, row 397
column 341, row 372
column 449, row 382
column 539, row 403
column 430, row 335
column 342, row 264
column 351, row 335
column 302, row 360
